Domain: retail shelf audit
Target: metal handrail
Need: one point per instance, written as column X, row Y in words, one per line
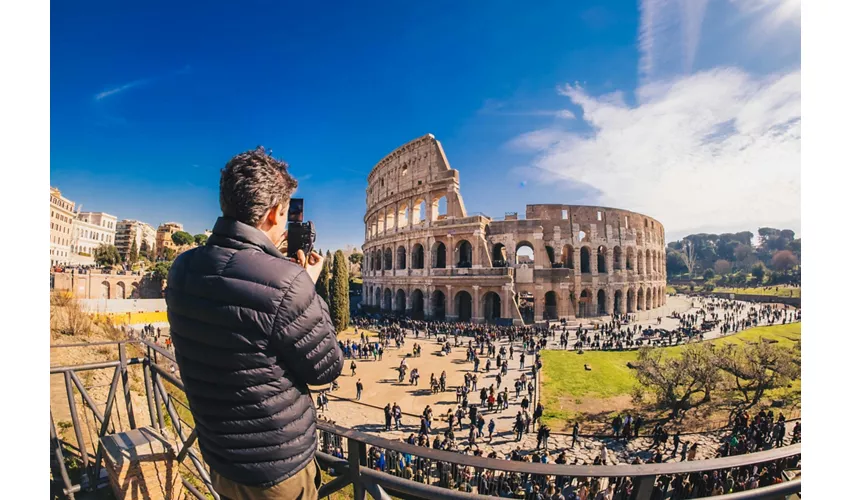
column 355, row 470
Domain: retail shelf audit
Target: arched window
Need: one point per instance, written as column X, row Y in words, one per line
column 400, row 301
column 492, row 306
column 418, row 257
column 464, row 254
column 400, row 258
column 551, row 303
column 500, row 256
column 438, row 255
column 524, row 253
column 585, row 260
column 463, row 305
column 618, row 259
column 567, row 257
column 601, row 303
column 388, row 259
column 602, row 260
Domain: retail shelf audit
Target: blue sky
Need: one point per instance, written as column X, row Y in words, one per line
column 638, row 105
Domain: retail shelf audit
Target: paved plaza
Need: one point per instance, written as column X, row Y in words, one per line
column 381, row 387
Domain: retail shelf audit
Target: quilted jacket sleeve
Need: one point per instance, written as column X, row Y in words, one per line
column 304, row 335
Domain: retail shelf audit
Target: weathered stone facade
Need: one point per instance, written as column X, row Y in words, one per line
column 587, row 261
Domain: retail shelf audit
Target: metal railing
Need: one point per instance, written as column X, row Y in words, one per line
column 382, row 467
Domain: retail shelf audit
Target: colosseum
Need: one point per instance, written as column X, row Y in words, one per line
column 425, row 257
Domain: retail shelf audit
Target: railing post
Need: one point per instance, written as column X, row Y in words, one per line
column 125, row 379
column 149, row 388
column 60, row 459
column 75, row 421
column 356, row 456
column 643, row 487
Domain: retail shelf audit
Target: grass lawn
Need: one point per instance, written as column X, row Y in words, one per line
column 772, row 291
column 569, row 391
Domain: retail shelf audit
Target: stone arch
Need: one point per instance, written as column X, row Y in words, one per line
column 388, row 300
column 400, row 301
column 105, row 292
column 649, row 303
column 585, row 260
column 602, row 260
column 550, row 302
column 438, row 255
column 528, row 256
column 630, row 259
column 640, row 299
column 527, row 305
column 648, row 262
column 641, row 266
column 463, row 305
column 568, row 256
column 388, row 259
column 391, row 219
column 403, row 216
column 379, row 260
column 500, row 255
column 400, row 257
column 585, row 301
column 417, row 257
column 601, row 302
column 464, row 254
column 630, row 301
column 492, row 306
column 618, row 302
column 380, row 223
column 134, row 290
column 618, row 258
column 419, row 209
column 379, row 297
column 417, row 303
column 440, row 207
column 438, row 305
column 122, row 290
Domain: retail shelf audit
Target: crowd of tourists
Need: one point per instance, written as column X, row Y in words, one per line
column 468, row 427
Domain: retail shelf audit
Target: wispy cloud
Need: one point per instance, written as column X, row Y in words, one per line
column 496, row 107
column 139, row 83
column 720, row 146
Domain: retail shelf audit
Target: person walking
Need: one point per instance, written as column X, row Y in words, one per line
column 575, row 434
column 490, row 428
column 359, row 389
column 353, row 368
column 240, row 290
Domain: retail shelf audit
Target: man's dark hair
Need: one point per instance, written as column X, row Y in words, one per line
column 253, row 182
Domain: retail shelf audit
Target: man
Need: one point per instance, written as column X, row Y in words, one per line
column 359, row 389
column 250, row 334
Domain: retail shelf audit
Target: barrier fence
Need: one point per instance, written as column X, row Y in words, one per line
column 370, row 464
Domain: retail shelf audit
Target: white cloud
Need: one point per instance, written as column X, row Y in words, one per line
column 718, row 147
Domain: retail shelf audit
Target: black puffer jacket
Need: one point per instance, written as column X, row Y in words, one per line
column 249, row 334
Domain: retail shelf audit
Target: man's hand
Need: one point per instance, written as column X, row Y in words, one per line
column 313, row 264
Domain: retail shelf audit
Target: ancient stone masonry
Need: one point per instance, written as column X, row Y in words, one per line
column 426, row 258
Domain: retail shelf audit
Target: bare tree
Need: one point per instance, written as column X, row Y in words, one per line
column 688, row 255
column 682, row 382
column 755, row 368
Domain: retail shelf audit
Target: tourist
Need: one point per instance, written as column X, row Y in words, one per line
column 490, row 428
column 359, row 389
column 575, row 434
column 388, row 416
column 353, row 368
column 214, row 287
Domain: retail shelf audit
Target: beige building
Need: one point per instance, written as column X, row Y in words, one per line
column 559, row 262
column 92, row 229
column 163, row 237
column 133, row 230
column 61, row 228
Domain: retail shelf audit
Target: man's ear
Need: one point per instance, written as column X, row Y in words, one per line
column 275, row 213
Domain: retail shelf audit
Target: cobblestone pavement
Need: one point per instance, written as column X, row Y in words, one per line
column 380, row 379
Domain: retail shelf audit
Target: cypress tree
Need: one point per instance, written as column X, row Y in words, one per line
column 323, row 286
column 339, row 292
column 133, row 255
